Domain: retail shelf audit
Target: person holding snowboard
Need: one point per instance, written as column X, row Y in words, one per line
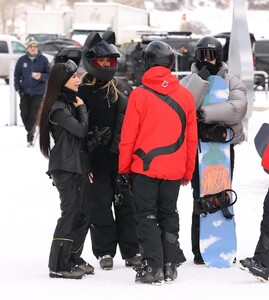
column 158, row 149
column 63, row 121
column 106, row 98
column 258, row 265
column 208, row 61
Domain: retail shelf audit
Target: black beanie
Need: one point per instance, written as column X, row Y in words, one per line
column 70, row 68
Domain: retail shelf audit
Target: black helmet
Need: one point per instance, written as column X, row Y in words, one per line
column 208, row 47
column 158, row 53
column 96, row 47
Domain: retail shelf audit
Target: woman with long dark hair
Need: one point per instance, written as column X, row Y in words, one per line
column 63, row 118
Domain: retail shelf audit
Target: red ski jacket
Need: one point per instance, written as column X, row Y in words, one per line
column 159, row 137
column 265, row 159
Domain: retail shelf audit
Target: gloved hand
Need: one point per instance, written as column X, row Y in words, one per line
column 204, row 73
column 97, row 137
column 123, row 183
column 21, row 93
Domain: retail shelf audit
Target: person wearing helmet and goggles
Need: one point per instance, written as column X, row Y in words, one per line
column 106, row 98
column 209, row 61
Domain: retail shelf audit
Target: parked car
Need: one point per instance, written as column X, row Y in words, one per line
column 261, row 52
column 224, row 38
column 53, row 46
column 174, row 38
column 11, row 48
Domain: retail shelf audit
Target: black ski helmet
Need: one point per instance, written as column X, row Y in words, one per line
column 158, row 53
column 96, row 46
column 210, row 48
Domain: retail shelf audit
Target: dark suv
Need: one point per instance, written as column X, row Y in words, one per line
column 261, row 51
column 175, row 39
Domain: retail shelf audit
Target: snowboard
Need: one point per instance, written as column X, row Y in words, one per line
column 261, row 139
column 217, row 233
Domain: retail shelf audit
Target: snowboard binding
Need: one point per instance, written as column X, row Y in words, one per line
column 123, row 184
column 214, row 132
column 214, row 202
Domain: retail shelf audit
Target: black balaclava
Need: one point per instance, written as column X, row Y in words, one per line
column 213, row 69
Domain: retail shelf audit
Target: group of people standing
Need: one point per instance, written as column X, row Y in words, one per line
column 118, row 156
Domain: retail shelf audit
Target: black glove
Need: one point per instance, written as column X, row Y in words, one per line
column 123, row 183
column 21, row 93
column 97, row 137
column 204, row 73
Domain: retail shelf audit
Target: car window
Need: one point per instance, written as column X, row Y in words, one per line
column 262, row 46
column 3, row 47
column 18, row 47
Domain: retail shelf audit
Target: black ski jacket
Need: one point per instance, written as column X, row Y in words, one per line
column 104, row 112
column 68, row 126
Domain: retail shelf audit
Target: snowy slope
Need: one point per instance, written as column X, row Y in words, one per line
column 29, row 208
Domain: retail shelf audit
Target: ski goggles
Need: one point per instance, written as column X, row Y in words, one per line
column 208, row 54
column 70, row 67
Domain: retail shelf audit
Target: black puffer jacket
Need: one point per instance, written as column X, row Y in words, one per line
column 69, row 126
column 104, row 112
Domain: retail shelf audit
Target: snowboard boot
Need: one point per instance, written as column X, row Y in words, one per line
column 198, row 260
column 75, row 273
column 87, row 268
column 170, row 272
column 133, row 261
column 255, row 268
column 148, row 274
column 106, row 262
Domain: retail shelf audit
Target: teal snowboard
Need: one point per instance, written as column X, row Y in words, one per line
column 217, row 233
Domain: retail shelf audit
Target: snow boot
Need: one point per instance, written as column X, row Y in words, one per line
column 170, row 272
column 75, row 273
column 133, row 261
column 255, row 268
column 149, row 274
column 106, row 262
column 87, row 268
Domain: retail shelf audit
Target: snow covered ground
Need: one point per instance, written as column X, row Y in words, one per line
column 29, row 208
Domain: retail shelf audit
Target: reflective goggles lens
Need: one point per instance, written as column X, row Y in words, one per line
column 203, row 54
column 70, row 66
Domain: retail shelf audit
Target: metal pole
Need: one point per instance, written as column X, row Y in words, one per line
column 240, row 60
column 13, row 94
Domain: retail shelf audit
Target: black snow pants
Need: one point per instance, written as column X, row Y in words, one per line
column 195, row 226
column 111, row 224
column 262, row 249
column 72, row 226
column 157, row 220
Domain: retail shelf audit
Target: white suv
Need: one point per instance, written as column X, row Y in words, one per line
column 10, row 48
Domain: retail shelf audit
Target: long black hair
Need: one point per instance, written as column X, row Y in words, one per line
column 54, row 85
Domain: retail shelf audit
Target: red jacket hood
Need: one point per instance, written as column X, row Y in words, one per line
column 160, row 79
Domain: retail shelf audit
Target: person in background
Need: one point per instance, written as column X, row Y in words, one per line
column 63, row 118
column 137, row 62
column 106, row 98
column 208, row 61
column 158, row 149
column 30, row 77
column 258, row 265
column 183, row 58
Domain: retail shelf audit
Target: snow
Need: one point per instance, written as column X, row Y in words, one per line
column 29, row 209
